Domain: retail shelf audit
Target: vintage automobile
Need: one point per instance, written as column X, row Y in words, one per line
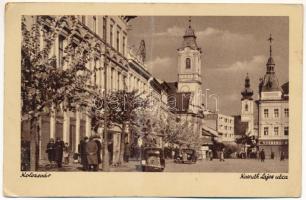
column 188, row 156
column 152, row 159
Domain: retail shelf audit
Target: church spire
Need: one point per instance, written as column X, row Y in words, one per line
column 247, row 92
column 270, row 82
column 270, row 63
column 189, row 38
column 270, row 39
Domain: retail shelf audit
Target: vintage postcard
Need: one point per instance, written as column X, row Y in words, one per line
column 182, row 100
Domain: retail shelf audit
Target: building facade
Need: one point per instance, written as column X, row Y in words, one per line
column 273, row 111
column 223, row 124
column 125, row 71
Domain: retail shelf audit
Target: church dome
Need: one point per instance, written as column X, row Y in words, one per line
column 247, row 92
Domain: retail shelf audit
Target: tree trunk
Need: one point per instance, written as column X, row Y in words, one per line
column 34, row 144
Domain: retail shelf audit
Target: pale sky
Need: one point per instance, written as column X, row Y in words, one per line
column 231, row 46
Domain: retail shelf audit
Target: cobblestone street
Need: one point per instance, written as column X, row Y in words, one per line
column 230, row 165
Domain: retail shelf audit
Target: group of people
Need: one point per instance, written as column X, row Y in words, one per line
column 220, row 155
column 89, row 150
column 57, row 151
column 262, row 155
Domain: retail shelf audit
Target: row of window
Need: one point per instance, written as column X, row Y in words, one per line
column 276, row 131
column 276, row 113
column 226, row 127
column 226, row 120
column 115, row 32
column 228, row 135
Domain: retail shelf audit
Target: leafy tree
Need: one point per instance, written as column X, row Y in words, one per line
column 123, row 107
column 44, row 84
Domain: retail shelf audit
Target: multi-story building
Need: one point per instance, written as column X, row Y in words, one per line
column 273, row 111
column 223, row 124
column 125, row 71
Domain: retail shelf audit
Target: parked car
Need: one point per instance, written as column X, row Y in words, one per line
column 188, row 156
column 152, row 159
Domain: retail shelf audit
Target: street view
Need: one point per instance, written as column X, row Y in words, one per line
column 154, row 94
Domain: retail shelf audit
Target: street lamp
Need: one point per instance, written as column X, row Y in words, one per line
column 216, row 97
column 206, row 93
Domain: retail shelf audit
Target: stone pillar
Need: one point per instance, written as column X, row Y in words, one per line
column 77, row 130
column 66, row 126
column 109, row 81
column 102, row 73
column 52, row 122
column 88, row 125
column 116, row 147
column 116, row 79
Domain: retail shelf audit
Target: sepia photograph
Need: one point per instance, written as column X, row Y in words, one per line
column 152, row 93
column 152, row 100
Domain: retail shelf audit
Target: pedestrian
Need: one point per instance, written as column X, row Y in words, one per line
column 59, row 148
column 282, row 156
column 110, row 152
column 126, row 153
column 66, row 154
column 83, row 153
column 262, row 155
column 97, row 139
column 51, row 151
column 92, row 158
column 211, row 156
column 176, row 153
column 272, row 155
column 222, row 155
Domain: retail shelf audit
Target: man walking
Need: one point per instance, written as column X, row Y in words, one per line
column 97, row 139
column 83, row 153
column 92, row 157
column 59, row 148
column 222, row 155
column 262, row 156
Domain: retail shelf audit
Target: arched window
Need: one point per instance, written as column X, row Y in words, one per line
column 188, row 65
column 246, row 107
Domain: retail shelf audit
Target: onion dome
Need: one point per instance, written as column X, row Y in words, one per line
column 247, row 92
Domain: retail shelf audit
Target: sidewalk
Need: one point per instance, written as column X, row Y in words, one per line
column 131, row 166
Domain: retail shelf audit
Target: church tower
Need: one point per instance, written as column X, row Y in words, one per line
column 269, row 88
column 189, row 68
column 247, row 105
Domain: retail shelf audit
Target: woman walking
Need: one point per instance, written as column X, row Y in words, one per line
column 51, row 151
